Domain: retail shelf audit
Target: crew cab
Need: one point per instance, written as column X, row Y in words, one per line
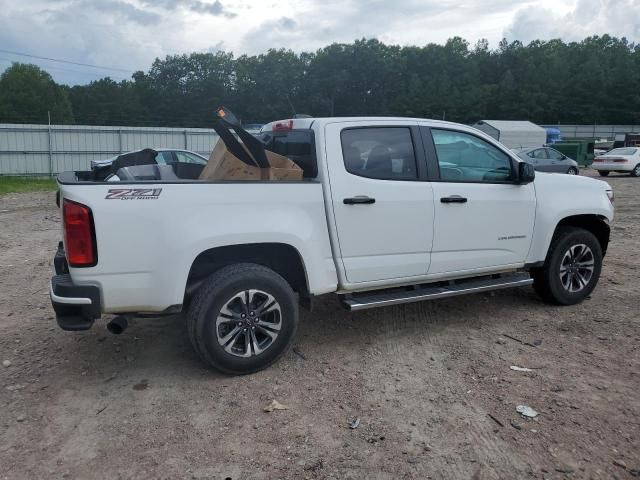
column 389, row 210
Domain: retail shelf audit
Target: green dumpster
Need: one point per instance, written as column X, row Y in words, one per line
column 581, row 150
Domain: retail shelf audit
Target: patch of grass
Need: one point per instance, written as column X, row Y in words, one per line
column 26, row 184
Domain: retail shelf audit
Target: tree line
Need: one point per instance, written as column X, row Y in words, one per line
column 596, row 80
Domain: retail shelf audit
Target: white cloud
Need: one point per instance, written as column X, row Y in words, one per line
column 130, row 34
column 620, row 18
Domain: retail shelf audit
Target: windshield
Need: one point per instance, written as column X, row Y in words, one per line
column 622, row 151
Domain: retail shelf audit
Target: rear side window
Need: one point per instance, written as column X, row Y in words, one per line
column 164, row 158
column 385, row 153
column 539, row 154
column 297, row 145
column 554, row 154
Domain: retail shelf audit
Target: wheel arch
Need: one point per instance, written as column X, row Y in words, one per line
column 282, row 258
column 596, row 224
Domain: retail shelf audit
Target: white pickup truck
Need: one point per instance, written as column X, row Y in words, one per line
column 390, row 210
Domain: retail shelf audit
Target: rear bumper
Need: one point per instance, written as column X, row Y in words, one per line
column 614, row 167
column 76, row 306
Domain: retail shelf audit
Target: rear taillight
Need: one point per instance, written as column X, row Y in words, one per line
column 598, row 160
column 610, row 196
column 79, row 234
column 620, row 160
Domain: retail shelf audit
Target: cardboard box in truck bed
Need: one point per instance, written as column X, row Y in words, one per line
column 223, row 165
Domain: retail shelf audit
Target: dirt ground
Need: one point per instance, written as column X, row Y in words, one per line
column 430, row 383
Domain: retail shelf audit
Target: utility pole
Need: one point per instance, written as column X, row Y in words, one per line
column 50, row 143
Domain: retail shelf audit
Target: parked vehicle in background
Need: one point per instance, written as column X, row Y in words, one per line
column 545, row 159
column 174, row 164
column 253, row 126
column 626, row 140
column 165, row 156
column 514, row 133
column 622, row 160
column 388, row 211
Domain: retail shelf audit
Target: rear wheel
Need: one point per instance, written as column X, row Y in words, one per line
column 572, row 171
column 603, row 173
column 572, row 267
column 243, row 318
column 636, row 171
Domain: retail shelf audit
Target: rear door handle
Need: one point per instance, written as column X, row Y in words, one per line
column 453, row 199
column 359, row 200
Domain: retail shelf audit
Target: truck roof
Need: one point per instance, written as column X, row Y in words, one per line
column 298, row 123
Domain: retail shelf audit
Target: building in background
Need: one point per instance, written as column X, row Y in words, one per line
column 514, row 133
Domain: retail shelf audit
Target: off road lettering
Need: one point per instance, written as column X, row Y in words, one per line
column 133, row 193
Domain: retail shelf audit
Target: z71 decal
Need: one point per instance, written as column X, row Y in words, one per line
column 133, row 193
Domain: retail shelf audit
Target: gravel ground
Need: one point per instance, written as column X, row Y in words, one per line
column 430, row 383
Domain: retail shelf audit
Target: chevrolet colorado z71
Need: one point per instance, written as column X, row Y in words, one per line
column 389, row 210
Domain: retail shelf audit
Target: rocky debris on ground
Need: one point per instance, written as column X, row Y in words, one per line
column 275, row 405
column 520, row 369
column 620, row 463
column 526, row 411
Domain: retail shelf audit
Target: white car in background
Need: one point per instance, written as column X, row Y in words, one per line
column 165, row 156
column 622, row 160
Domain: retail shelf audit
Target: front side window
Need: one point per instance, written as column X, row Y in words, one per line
column 186, row 157
column 385, row 153
column 466, row 158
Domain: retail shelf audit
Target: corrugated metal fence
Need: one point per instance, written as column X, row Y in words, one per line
column 47, row 150
column 593, row 131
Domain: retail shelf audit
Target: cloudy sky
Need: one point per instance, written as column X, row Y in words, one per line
column 126, row 35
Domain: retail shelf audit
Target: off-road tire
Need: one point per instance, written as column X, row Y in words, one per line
column 603, row 173
column 546, row 279
column 213, row 295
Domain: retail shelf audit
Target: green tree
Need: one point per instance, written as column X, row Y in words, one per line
column 106, row 102
column 594, row 80
column 28, row 94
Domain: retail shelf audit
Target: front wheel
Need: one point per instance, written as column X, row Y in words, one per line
column 243, row 318
column 636, row 171
column 572, row 267
column 603, row 173
column 572, row 171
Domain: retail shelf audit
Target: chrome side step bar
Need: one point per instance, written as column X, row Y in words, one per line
column 417, row 293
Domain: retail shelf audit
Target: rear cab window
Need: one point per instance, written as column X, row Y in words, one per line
column 384, row 153
column 298, row 145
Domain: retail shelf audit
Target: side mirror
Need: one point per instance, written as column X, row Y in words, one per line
column 526, row 173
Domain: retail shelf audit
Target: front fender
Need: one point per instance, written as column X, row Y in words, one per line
column 563, row 196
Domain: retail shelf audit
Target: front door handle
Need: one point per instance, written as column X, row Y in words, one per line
column 453, row 199
column 359, row 200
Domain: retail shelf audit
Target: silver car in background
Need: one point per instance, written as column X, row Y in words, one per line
column 545, row 159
